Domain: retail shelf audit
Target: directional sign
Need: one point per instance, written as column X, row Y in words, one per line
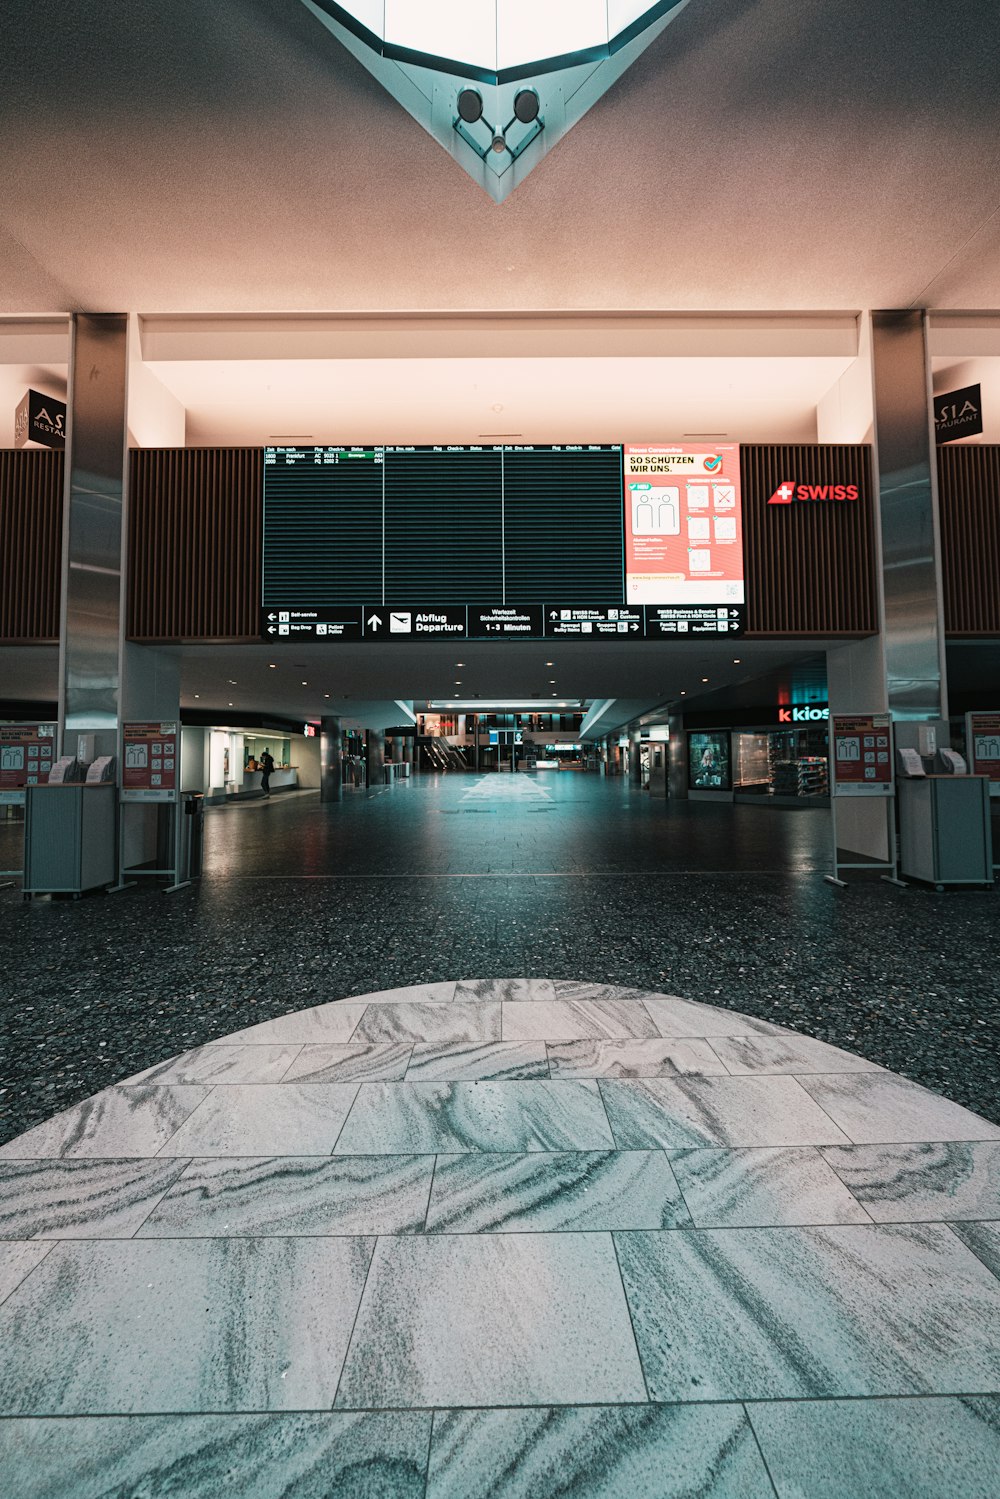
column 303, row 625
column 675, row 621
column 615, row 622
column 415, row 622
column 489, row 622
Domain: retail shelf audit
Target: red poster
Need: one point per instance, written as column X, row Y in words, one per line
column 149, row 759
column 683, row 525
column 982, row 738
column 861, row 751
column 26, row 754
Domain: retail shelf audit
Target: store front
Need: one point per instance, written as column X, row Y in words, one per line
column 782, row 764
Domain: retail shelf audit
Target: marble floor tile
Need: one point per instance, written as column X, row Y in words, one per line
column 220, row 1063
column 312, row 1455
column 81, row 1199
column 758, row 1187
column 509, row 990
column 332, row 1022
column 771, row 1313
column 295, row 1195
column 685, row 1017
column 691, row 1111
column 492, row 1320
column 882, row 1449
column 374, row 1062
column 663, row 1057
column 412, row 994
column 17, row 1261
column 882, row 1110
column 575, row 1021
column 441, row 1024
column 403, row 1118
column 793, row 1054
column 984, row 1241
column 207, row 1325
column 253, row 1119
column 597, row 1452
column 135, row 1121
column 483, row 1060
column 573, row 989
column 554, row 1192
column 914, row 1183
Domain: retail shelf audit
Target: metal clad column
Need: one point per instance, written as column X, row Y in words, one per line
column 908, row 507
column 90, row 630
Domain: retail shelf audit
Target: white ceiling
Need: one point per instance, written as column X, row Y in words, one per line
column 464, row 400
column 233, row 156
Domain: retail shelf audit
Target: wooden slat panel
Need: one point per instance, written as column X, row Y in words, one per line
column 195, row 543
column 969, row 490
column 31, row 501
column 810, row 566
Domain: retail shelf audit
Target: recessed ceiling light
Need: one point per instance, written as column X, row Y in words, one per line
column 458, row 684
column 197, row 694
column 704, row 679
column 273, row 665
column 550, row 663
column 683, row 693
column 230, row 705
column 459, row 663
column 552, row 681
column 326, row 694
column 305, row 684
column 736, row 660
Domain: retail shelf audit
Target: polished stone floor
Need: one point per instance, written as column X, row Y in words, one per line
column 517, row 1238
column 563, row 876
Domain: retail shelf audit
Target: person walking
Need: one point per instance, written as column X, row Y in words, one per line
column 266, row 766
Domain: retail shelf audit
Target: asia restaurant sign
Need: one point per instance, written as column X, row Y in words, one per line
column 958, row 413
column 40, row 419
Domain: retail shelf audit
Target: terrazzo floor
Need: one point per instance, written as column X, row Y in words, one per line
column 572, row 874
column 517, row 1238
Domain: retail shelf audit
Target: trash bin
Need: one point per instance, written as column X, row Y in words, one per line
column 193, row 839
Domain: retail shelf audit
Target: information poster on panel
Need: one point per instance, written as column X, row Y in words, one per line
column 982, row 740
column 149, row 762
column 861, row 755
column 684, row 531
column 25, row 758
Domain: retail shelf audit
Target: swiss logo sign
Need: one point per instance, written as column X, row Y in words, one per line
column 788, row 492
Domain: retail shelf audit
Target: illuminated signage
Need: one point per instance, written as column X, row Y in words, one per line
column 788, row 491
column 40, row 419
column 810, row 713
column 684, row 529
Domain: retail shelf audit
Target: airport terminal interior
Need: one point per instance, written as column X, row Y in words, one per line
column 500, row 750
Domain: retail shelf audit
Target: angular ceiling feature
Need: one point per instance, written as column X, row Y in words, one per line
column 496, row 82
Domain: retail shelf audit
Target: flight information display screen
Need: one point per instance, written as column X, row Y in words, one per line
column 516, row 541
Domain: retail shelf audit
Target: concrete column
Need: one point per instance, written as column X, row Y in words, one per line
column 398, row 749
column 331, row 761
column 677, row 768
column 375, row 756
column 635, row 760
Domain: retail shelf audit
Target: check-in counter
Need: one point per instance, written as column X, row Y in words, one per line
column 281, row 780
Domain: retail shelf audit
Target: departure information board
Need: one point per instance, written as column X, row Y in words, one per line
column 487, row 542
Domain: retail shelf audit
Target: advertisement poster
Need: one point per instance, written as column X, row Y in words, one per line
column 982, row 740
column 683, row 525
column 709, row 763
column 26, row 757
column 149, row 761
column 861, row 754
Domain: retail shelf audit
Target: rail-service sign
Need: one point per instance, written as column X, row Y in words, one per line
column 684, row 534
